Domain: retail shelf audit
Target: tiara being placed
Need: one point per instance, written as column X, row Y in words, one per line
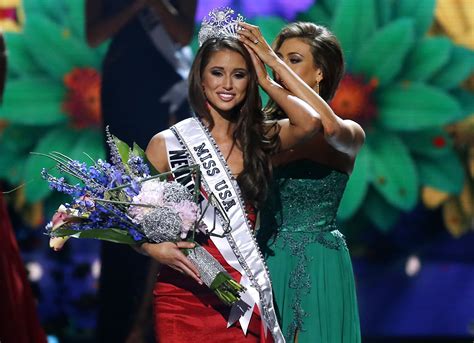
column 219, row 23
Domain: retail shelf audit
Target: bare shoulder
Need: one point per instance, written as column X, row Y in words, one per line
column 156, row 152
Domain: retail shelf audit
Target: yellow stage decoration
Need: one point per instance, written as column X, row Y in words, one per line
column 11, row 15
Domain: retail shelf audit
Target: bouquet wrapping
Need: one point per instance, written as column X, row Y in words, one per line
column 127, row 201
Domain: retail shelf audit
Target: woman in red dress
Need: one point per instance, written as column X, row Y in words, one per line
column 19, row 321
column 223, row 92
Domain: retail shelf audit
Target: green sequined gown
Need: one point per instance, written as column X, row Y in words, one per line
column 307, row 256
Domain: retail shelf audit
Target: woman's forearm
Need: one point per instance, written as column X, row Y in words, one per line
column 299, row 113
column 330, row 122
column 344, row 135
column 302, row 123
column 100, row 29
column 178, row 22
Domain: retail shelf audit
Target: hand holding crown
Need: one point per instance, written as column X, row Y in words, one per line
column 252, row 37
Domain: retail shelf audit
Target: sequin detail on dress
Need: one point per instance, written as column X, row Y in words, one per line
column 301, row 210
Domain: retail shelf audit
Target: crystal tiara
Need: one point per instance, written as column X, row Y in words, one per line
column 219, row 23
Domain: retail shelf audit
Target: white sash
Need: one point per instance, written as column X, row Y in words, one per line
column 189, row 142
column 179, row 57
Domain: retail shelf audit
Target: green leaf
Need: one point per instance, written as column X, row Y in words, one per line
column 427, row 57
column 394, row 172
column 315, row 14
column 378, row 58
column 445, row 172
column 123, row 149
column 21, row 139
column 53, row 9
column 112, row 235
column 330, row 6
column 64, row 51
column 421, row 10
column 76, row 18
column 41, row 33
column 33, row 102
column 20, row 61
column 357, row 186
column 137, row 151
column 416, row 106
column 62, row 140
column 89, row 141
column 466, row 100
column 384, row 12
column 33, row 6
column 380, row 213
column 458, row 69
column 353, row 23
column 11, row 165
column 195, row 42
column 429, row 142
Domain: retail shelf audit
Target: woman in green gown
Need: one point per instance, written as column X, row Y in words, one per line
column 307, row 256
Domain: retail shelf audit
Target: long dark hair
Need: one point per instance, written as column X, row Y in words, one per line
column 256, row 138
column 327, row 55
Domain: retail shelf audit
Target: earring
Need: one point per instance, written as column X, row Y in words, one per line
column 317, row 87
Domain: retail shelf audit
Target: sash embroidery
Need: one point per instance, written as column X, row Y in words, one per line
column 238, row 247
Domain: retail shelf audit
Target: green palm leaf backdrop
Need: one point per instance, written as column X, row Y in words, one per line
column 410, row 83
column 51, row 100
column 402, row 84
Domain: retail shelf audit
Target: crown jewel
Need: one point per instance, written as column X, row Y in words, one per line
column 220, row 22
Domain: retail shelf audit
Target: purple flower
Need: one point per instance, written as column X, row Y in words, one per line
column 136, row 235
column 138, row 166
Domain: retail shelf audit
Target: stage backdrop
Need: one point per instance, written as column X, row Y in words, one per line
column 407, row 211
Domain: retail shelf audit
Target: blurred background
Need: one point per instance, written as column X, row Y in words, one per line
column 408, row 211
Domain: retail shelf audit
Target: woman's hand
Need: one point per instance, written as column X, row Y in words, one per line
column 262, row 74
column 253, row 38
column 169, row 253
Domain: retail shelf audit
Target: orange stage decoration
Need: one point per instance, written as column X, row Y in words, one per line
column 354, row 99
column 82, row 101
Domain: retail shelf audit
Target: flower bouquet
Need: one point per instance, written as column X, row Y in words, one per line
column 127, row 201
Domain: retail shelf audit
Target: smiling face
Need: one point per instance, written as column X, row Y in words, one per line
column 297, row 54
column 225, row 80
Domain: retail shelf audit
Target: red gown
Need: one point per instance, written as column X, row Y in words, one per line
column 18, row 318
column 185, row 311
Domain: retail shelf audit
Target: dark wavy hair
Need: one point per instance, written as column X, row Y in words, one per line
column 256, row 138
column 326, row 51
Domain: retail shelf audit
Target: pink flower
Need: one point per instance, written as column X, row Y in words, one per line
column 151, row 193
column 188, row 211
column 62, row 216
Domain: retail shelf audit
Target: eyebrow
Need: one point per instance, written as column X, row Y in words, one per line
column 290, row 53
column 234, row 70
column 295, row 53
